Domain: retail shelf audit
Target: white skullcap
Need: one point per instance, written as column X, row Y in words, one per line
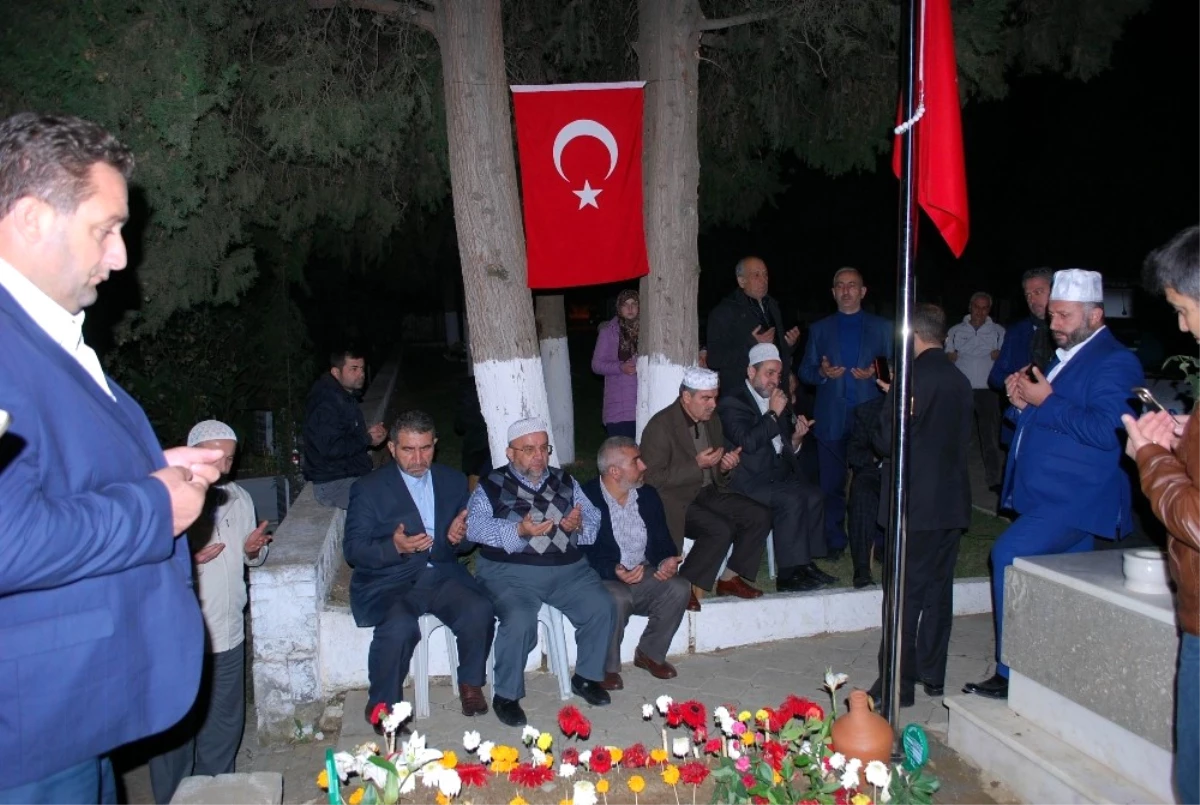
column 208, row 430
column 763, row 352
column 524, row 427
column 700, row 379
column 1077, row 285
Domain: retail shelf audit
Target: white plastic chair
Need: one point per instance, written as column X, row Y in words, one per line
column 420, row 662
column 688, row 543
column 551, row 621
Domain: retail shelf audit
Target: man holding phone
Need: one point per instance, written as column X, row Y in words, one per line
column 1063, row 477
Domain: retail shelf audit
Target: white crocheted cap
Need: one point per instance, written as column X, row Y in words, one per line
column 208, row 430
column 524, row 427
column 763, row 352
column 700, row 379
column 1077, row 285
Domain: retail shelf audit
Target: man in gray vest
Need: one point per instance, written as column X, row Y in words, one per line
column 529, row 520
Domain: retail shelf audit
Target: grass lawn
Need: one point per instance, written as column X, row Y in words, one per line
column 423, row 389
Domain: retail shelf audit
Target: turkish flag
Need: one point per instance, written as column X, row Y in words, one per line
column 941, row 171
column 580, row 148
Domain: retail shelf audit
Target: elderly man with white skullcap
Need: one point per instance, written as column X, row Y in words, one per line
column 529, row 519
column 223, row 541
column 683, row 447
column 1063, row 476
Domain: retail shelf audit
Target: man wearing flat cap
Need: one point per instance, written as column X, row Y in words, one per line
column 683, row 447
column 1063, row 476
column 757, row 419
column 529, row 519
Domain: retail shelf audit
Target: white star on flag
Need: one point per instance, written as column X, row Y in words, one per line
column 587, row 196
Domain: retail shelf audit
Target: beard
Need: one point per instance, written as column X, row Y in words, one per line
column 1075, row 337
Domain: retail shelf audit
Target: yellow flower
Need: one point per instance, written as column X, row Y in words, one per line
column 658, row 755
column 670, row 775
column 617, row 753
column 601, row 786
column 357, row 796
column 549, row 761
column 860, row 799
column 776, row 777
column 449, row 759
column 441, row 799
column 565, row 802
column 517, row 800
column 544, row 740
column 748, row 739
column 636, row 784
column 744, row 716
column 762, row 715
column 504, row 759
column 323, row 780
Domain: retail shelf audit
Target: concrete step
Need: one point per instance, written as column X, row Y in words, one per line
column 1037, row 766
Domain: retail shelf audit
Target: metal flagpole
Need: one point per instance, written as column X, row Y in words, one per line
column 902, row 377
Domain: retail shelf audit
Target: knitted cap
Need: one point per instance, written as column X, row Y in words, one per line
column 524, row 427
column 763, row 352
column 700, row 379
column 208, row 430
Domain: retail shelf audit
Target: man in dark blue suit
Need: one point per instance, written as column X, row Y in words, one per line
column 1026, row 343
column 405, row 529
column 839, row 361
column 102, row 632
column 1063, row 476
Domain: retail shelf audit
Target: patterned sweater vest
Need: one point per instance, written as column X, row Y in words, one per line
column 511, row 500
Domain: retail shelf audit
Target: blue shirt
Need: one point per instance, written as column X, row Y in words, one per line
column 421, row 490
column 850, row 327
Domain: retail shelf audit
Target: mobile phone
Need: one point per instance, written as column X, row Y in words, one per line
column 882, row 371
column 1029, row 373
column 1147, row 398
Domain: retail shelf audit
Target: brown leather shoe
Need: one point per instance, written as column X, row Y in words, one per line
column 658, row 670
column 693, row 604
column 612, row 681
column 739, row 588
column 471, row 696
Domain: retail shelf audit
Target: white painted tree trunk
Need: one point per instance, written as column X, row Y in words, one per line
column 658, row 386
column 556, row 368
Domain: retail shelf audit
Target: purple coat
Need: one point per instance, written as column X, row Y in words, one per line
column 620, row 389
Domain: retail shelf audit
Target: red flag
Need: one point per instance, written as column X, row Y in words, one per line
column 941, row 171
column 580, row 147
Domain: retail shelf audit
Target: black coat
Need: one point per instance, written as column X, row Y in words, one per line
column 939, row 484
column 604, row 554
column 729, row 338
column 746, row 428
column 379, row 502
column 335, row 434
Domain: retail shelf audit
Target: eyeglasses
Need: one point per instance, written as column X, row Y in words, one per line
column 530, row 452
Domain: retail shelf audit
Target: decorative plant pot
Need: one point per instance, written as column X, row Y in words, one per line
column 1146, row 571
column 861, row 732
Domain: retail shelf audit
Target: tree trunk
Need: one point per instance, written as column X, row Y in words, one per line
column 491, row 244
column 551, row 316
column 668, row 60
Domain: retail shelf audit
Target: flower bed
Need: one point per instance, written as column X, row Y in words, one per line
column 775, row 755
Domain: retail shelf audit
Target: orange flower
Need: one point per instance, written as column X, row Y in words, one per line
column 357, row 796
column 617, row 753
column 518, row 800
column 602, row 786
column 636, row 784
column 658, row 756
column 323, row 780
column 748, row 739
column 449, row 759
column 441, row 799
column 670, row 775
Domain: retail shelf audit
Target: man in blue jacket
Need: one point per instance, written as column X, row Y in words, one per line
column 1063, row 476
column 839, row 361
column 1025, row 343
column 102, row 636
column 636, row 558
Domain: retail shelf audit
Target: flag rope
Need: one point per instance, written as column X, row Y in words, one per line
column 920, row 111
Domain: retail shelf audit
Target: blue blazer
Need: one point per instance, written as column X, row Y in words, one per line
column 831, row 411
column 605, row 554
column 380, row 501
column 1065, row 463
column 101, row 640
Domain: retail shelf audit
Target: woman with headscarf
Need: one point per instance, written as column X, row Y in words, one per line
column 615, row 357
column 1167, row 451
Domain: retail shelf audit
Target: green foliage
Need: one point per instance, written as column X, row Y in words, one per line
column 1189, row 367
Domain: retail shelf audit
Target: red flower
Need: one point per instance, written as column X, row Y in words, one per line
column 757, row 800
column 574, row 723
column 693, row 773
column 379, row 712
column 635, row 757
column 700, row 735
column 712, row 746
column 570, row 755
column 774, row 752
column 779, row 719
column 748, row 781
column 674, row 715
column 601, row 761
column 802, row 708
column 531, row 776
column 475, row 774
column 693, row 714
column 841, row 797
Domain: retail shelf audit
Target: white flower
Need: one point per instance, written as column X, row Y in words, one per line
column 374, row 774
column 346, row 765
column 585, row 758
column 663, row 702
column 539, row 757
column 647, row 711
column 449, row 783
column 681, row 746
column 408, row 781
column 849, row 779
column 566, row 770
column 401, row 712
column 733, row 749
column 834, row 681
column 485, row 751
column 584, row 793
column 529, row 735
column 837, row 760
column 414, row 754
column 853, row 764
column 721, row 713
column 806, row 748
column 878, row 774
column 471, row 740
column 885, row 795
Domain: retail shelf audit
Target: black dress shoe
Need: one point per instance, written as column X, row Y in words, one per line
column 995, row 687
column 591, row 692
column 799, row 582
column 933, row 690
column 815, row 571
column 508, row 711
column 907, row 697
column 862, row 580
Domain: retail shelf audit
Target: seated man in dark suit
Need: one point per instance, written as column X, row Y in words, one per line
column 405, row 528
column 756, row 419
column 636, row 557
